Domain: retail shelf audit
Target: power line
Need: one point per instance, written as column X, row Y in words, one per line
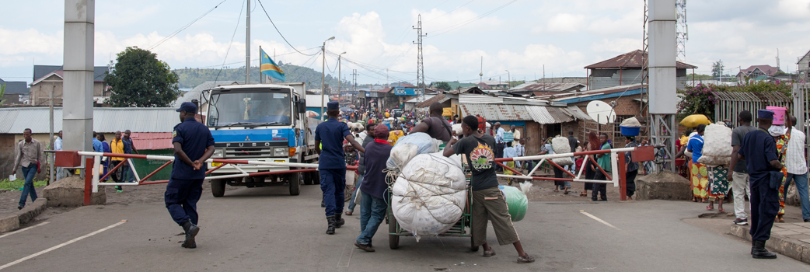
column 279, row 31
column 185, row 26
column 238, row 20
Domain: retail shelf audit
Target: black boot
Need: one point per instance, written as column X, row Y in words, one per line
column 339, row 220
column 759, row 251
column 191, row 232
column 331, row 228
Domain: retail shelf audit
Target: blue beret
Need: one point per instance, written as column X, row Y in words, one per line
column 765, row 114
column 332, row 105
column 188, row 107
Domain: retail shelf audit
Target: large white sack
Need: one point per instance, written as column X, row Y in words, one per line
column 717, row 140
column 409, row 146
column 561, row 145
column 631, row 122
column 457, row 129
column 714, row 160
column 429, row 194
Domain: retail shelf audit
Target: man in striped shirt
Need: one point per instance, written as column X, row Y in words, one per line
column 797, row 167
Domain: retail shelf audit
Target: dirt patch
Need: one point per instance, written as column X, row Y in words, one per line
column 665, row 185
column 10, row 199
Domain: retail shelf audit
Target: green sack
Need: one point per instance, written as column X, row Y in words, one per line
column 516, row 201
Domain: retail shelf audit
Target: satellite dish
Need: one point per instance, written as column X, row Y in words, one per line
column 601, row 112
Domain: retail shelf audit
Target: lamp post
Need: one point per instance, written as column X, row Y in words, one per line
column 339, row 78
column 508, row 80
column 323, row 72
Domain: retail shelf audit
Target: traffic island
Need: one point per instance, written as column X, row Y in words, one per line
column 22, row 217
column 664, row 185
column 69, row 192
column 789, row 239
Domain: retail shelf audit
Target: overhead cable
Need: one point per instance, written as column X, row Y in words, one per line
column 238, row 20
column 184, row 27
column 279, row 31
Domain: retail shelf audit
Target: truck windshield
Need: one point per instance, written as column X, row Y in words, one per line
column 249, row 107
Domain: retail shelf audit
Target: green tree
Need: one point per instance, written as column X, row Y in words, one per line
column 2, row 92
column 442, row 85
column 717, row 68
column 139, row 79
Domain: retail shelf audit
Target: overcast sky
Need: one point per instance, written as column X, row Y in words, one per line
column 520, row 36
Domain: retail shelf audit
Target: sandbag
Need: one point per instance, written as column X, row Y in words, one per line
column 631, row 122
column 457, row 129
column 561, row 145
column 694, row 120
column 409, row 146
column 714, row 160
column 717, row 140
column 429, row 194
column 516, row 202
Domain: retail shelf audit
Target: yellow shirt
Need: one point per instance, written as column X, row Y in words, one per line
column 393, row 136
column 117, row 147
column 387, row 115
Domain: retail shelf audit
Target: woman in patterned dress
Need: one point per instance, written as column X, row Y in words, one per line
column 718, row 186
column 781, row 143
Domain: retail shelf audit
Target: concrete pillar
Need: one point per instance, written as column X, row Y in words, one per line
column 77, row 109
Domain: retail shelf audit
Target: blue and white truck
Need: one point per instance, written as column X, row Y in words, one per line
column 261, row 122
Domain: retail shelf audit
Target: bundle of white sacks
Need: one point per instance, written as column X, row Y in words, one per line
column 429, row 194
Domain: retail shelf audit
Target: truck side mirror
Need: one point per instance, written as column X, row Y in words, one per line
column 302, row 106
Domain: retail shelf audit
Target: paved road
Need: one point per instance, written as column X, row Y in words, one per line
column 264, row 229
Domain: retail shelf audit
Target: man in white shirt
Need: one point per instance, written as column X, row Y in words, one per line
column 797, row 167
column 57, row 145
column 520, row 151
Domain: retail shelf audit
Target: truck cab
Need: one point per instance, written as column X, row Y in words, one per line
column 260, row 122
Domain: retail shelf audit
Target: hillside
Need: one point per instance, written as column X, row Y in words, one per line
column 190, row 77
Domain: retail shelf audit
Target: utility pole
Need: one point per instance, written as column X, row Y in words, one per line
column 247, row 45
column 339, row 78
column 420, row 65
column 481, row 74
column 508, row 80
column 323, row 73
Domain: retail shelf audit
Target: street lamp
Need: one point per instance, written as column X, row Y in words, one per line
column 339, row 78
column 323, row 73
column 508, row 79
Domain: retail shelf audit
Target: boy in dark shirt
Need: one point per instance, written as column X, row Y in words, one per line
column 372, row 203
column 488, row 201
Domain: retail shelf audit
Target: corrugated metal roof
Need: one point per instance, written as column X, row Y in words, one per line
column 152, row 141
column 496, row 112
column 523, row 101
column 548, row 87
column 107, row 120
column 630, row 60
column 438, row 98
column 479, row 99
column 577, row 113
column 548, row 115
column 420, row 98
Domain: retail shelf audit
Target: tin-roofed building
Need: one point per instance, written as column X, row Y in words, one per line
column 151, row 127
column 625, row 69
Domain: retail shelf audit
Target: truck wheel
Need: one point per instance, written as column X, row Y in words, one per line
column 295, row 183
column 393, row 240
column 308, row 178
column 218, row 187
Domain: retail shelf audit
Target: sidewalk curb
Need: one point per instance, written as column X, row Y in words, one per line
column 21, row 217
column 786, row 246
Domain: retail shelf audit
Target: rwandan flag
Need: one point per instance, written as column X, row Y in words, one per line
column 269, row 67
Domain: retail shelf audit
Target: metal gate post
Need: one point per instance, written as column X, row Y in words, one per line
column 622, row 177
column 88, row 180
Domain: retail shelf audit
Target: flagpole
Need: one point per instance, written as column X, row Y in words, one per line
column 261, row 75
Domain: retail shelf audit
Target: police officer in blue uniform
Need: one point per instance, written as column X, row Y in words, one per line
column 332, row 164
column 193, row 145
column 758, row 149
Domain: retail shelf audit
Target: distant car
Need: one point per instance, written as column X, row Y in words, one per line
column 397, row 113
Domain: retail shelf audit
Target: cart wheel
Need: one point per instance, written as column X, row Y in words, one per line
column 393, row 240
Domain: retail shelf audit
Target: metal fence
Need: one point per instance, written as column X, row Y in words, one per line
column 801, row 93
column 729, row 104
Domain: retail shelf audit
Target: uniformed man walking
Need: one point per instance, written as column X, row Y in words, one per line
column 331, row 163
column 193, row 145
column 758, row 149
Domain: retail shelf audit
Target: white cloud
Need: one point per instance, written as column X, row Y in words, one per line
column 617, row 45
column 563, row 22
column 439, row 21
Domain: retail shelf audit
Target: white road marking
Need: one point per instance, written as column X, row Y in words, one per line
column 597, row 219
column 28, row 228
column 343, row 253
column 61, row 245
